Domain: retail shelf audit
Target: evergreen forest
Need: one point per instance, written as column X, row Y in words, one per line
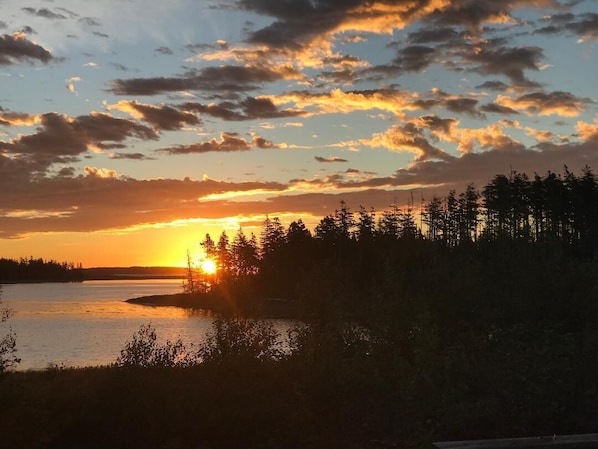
column 519, row 247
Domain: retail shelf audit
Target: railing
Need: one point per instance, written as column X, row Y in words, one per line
column 555, row 441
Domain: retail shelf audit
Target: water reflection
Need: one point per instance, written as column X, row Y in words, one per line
column 81, row 324
column 87, row 324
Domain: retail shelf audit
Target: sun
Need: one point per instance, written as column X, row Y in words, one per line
column 208, row 266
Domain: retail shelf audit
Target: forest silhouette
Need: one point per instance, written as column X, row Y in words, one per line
column 476, row 319
column 39, row 270
column 508, row 248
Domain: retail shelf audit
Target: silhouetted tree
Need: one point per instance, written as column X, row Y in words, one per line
column 244, row 255
column 366, row 224
column 433, row 216
column 344, row 220
column 452, row 219
column 497, row 204
column 407, row 226
column 389, row 224
column 210, row 248
column 223, row 257
column 468, row 214
column 272, row 238
column 191, row 284
column 299, row 248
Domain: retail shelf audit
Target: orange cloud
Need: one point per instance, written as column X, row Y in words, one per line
column 18, row 119
column 539, row 135
column 338, row 101
column 160, row 117
column 104, row 173
column 408, row 138
column 564, row 104
column 588, row 131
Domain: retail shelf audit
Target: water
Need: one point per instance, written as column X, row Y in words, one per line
column 88, row 323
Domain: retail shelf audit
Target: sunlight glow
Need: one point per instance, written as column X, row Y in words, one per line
column 208, row 266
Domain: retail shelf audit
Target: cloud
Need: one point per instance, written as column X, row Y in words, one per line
column 434, row 176
column 481, row 167
column 251, row 108
column 223, row 78
column 329, row 159
column 339, row 101
column 497, row 109
column 87, row 203
column 472, row 14
column 8, row 118
column 162, row 118
column 60, row 138
column 17, row 48
column 508, row 61
column 585, row 25
column 90, row 21
column 307, row 30
column 498, row 86
column 463, row 105
column 261, row 142
column 303, row 23
column 71, row 83
column 409, row 138
column 163, row 51
column 588, row 131
column 540, row 135
column 131, row 156
column 229, row 142
column 43, row 12
column 429, row 35
column 102, row 173
column 396, row 101
column 415, row 58
column 560, row 103
column 486, row 138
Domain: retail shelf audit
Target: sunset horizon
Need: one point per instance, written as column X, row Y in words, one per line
column 123, row 143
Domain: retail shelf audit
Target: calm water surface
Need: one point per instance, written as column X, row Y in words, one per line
column 85, row 324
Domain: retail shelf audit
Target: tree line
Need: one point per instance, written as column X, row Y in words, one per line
column 39, row 270
column 555, row 213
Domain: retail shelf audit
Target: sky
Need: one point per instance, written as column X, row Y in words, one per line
column 131, row 128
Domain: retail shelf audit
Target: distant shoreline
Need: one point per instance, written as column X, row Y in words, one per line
column 133, row 273
column 110, row 274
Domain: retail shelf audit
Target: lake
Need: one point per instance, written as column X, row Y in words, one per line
column 88, row 323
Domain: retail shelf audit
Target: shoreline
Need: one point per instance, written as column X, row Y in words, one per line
column 223, row 304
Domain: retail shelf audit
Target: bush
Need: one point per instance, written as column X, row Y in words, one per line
column 8, row 343
column 144, row 351
column 239, row 338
